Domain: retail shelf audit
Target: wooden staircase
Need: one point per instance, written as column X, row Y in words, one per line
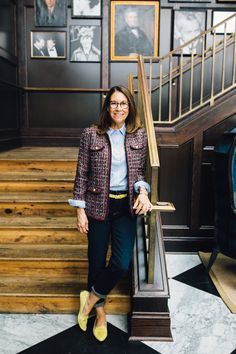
column 43, row 257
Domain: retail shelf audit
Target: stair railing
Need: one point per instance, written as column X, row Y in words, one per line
column 178, row 84
column 154, row 231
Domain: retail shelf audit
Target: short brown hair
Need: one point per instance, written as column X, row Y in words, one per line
column 132, row 121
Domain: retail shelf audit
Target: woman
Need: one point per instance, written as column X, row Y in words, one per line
column 110, row 175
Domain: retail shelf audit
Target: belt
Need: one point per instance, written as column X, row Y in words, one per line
column 118, row 196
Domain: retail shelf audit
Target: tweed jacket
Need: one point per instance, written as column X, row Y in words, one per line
column 92, row 179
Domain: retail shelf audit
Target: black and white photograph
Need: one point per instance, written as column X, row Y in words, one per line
column 86, row 8
column 187, row 25
column 219, row 16
column 134, row 29
column 48, row 45
column 51, row 13
column 85, row 43
column 191, row 1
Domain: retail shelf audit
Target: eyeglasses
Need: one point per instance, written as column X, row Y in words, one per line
column 123, row 105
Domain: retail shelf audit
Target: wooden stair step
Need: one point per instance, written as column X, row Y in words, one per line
column 43, row 252
column 36, row 186
column 37, row 166
column 16, row 209
column 37, row 176
column 62, row 286
column 39, row 236
column 41, row 153
column 37, row 267
column 55, row 295
column 38, row 222
column 53, row 197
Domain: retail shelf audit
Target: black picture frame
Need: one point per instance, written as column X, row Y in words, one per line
column 85, row 43
column 46, row 15
column 128, row 39
column 86, row 8
column 218, row 16
column 48, row 44
column 187, row 25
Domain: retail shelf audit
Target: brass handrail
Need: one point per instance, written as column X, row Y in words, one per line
column 145, row 111
column 176, row 105
column 204, row 33
column 152, row 144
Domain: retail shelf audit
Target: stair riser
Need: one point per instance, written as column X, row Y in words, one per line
column 42, row 268
column 33, row 236
column 29, row 186
column 37, row 166
column 36, row 304
column 36, row 209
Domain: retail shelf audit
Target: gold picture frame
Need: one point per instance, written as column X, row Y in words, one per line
column 134, row 29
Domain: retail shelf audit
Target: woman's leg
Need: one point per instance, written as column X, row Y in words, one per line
column 98, row 242
column 122, row 242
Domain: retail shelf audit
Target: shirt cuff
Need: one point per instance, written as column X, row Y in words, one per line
column 77, row 203
column 139, row 184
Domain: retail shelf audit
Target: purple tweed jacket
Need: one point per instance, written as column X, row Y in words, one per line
column 92, row 179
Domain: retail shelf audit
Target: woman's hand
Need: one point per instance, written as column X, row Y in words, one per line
column 82, row 221
column 142, row 204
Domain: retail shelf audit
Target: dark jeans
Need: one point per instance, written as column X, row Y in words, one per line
column 120, row 228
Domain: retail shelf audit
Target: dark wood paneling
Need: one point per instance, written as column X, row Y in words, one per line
column 175, row 182
column 9, row 93
column 63, row 110
column 203, row 129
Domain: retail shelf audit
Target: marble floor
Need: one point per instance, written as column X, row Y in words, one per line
column 200, row 322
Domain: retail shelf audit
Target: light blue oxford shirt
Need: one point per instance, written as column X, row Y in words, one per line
column 119, row 172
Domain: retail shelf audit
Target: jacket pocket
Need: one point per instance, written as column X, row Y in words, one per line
column 137, row 146
column 96, row 147
column 94, row 189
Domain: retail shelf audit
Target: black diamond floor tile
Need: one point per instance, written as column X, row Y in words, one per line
column 74, row 341
column 198, row 278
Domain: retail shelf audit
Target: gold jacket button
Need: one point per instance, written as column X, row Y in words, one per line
column 94, row 189
column 96, row 147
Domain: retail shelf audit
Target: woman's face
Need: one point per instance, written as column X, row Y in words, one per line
column 118, row 115
column 86, row 43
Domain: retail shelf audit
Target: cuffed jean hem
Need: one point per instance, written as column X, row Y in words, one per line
column 97, row 294
column 100, row 302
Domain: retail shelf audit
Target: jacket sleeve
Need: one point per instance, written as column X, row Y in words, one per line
column 83, row 165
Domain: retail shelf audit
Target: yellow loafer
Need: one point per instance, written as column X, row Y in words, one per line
column 100, row 332
column 83, row 319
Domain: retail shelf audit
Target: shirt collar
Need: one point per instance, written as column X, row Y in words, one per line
column 122, row 130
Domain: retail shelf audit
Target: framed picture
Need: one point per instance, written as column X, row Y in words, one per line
column 187, row 25
column 50, row 13
column 86, row 8
column 189, row 1
column 134, row 29
column 219, row 16
column 85, row 43
column 48, row 45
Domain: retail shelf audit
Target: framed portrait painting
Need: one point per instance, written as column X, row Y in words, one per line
column 48, row 44
column 50, row 13
column 85, row 43
column 219, row 16
column 134, row 29
column 86, row 8
column 187, row 25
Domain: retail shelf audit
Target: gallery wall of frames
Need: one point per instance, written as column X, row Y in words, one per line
column 81, row 44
